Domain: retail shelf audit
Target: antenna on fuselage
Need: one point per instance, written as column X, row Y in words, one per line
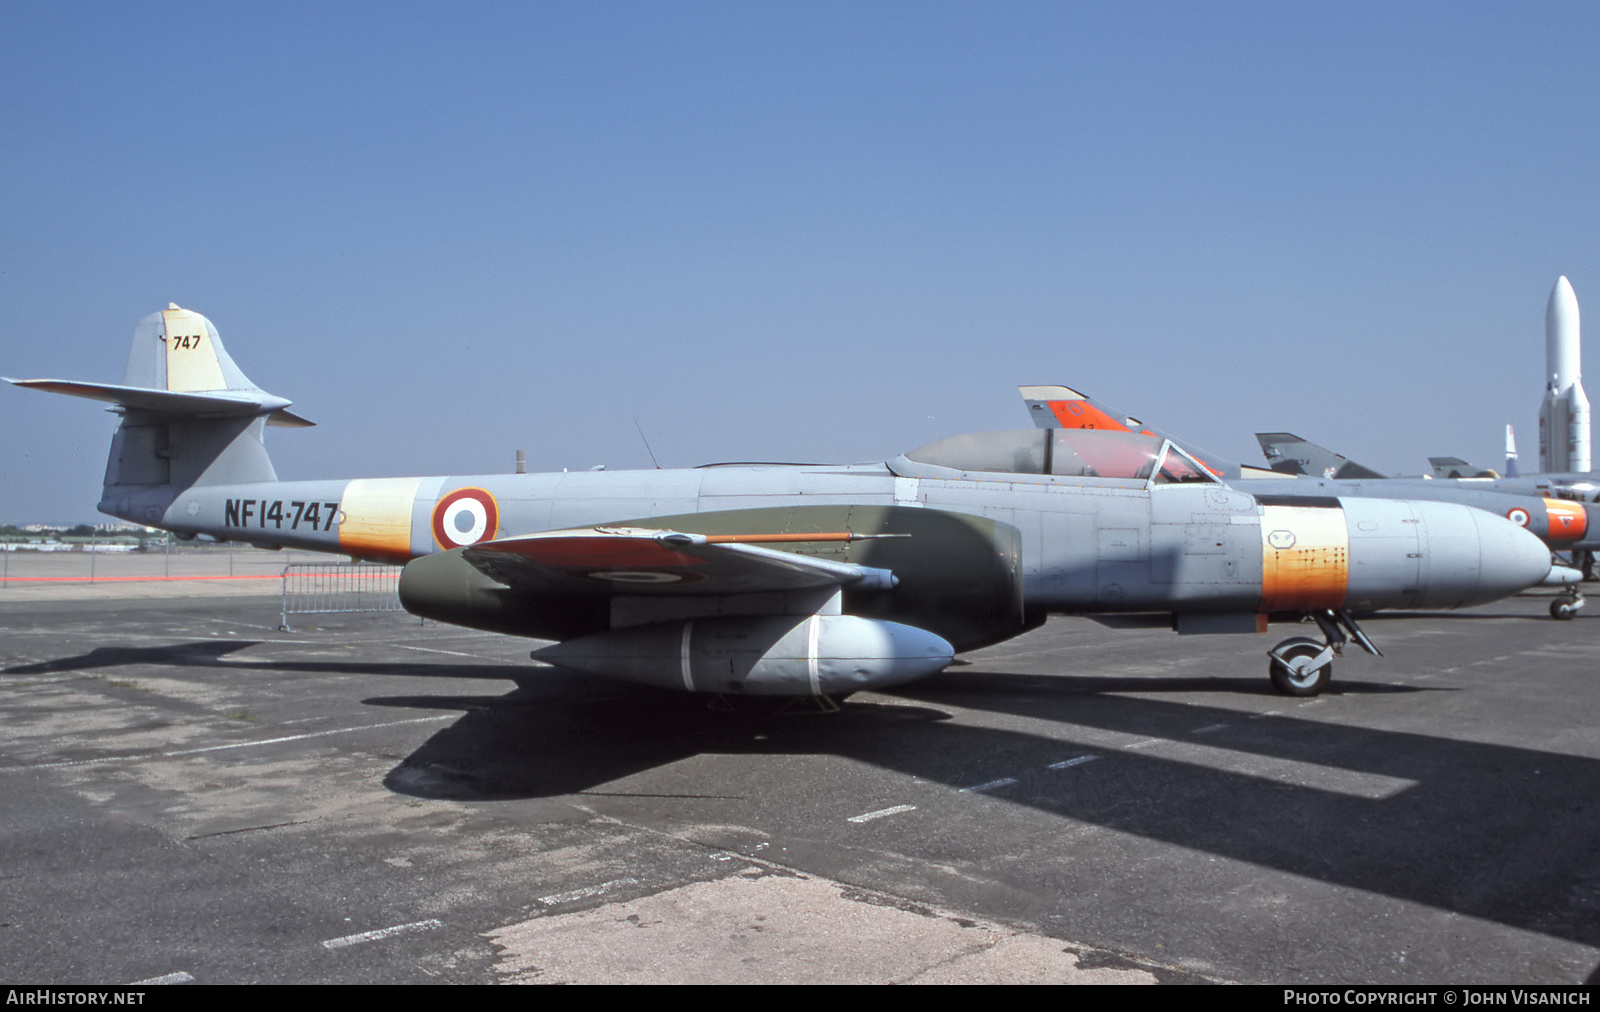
column 647, row 449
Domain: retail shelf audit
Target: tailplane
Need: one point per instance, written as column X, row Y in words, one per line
column 190, row 417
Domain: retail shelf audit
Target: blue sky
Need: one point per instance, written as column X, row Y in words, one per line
column 794, row 231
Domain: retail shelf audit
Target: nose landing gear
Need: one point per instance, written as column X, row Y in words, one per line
column 1566, row 608
column 1300, row 666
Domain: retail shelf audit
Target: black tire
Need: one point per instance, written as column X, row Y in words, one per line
column 1289, row 683
column 1562, row 611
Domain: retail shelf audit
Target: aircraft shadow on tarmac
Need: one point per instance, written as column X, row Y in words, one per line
column 203, row 653
column 215, row 654
column 1496, row 832
column 1500, row 833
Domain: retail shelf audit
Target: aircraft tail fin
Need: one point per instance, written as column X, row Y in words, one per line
column 178, row 366
column 1289, row 454
column 1511, row 453
column 190, row 416
column 1059, row 407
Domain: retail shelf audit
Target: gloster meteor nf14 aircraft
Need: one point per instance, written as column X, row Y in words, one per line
column 809, row 580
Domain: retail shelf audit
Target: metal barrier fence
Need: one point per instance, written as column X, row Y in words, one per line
column 328, row 588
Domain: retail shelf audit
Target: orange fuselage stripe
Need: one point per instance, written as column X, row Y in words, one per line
column 1305, row 558
column 1568, row 521
column 376, row 520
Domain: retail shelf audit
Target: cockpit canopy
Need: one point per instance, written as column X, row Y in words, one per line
column 1075, row 453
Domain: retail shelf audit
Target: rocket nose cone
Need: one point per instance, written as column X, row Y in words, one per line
column 1561, row 340
column 1563, row 301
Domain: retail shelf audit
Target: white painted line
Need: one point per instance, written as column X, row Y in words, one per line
column 373, row 936
column 167, row 978
column 586, row 892
column 220, row 748
column 244, row 625
column 1349, row 781
column 1145, row 743
column 880, row 813
column 301, row 737
column 1269, row 713
column 1208, row 729
column 991, row 785
column 457, row 653
column 1073, row 762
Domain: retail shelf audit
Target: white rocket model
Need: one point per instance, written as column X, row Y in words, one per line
column 1564, row 415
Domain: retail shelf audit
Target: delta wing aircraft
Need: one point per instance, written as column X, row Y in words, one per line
column 1288, row 453
column 1303, row 468
column 807, row 580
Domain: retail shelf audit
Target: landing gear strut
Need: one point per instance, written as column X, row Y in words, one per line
column 1300, row 666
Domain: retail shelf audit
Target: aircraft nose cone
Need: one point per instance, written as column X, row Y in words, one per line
column 1470, row 556
column 1512, row 559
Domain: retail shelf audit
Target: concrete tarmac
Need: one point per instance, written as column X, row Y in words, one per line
column 191, row 794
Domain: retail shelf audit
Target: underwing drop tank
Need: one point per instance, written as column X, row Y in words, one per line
column 767, row 655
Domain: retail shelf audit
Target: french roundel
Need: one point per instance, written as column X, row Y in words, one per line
column 465, row 517
column 1518, row 516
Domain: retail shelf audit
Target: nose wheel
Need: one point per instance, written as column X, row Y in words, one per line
column 1301, row 666
column 1566, row 609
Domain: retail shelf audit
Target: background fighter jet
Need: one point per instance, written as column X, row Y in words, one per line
column 803, row 579
column 1287, row 453
column 1290, row 454
column 1455, row 467
column 1563, row 522
column 1564, row 495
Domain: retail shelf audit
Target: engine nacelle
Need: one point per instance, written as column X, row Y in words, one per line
column 769, row 655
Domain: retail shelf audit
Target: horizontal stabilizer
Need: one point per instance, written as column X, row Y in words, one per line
column 212, row 404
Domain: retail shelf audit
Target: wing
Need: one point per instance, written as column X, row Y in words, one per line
column 642, row 561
